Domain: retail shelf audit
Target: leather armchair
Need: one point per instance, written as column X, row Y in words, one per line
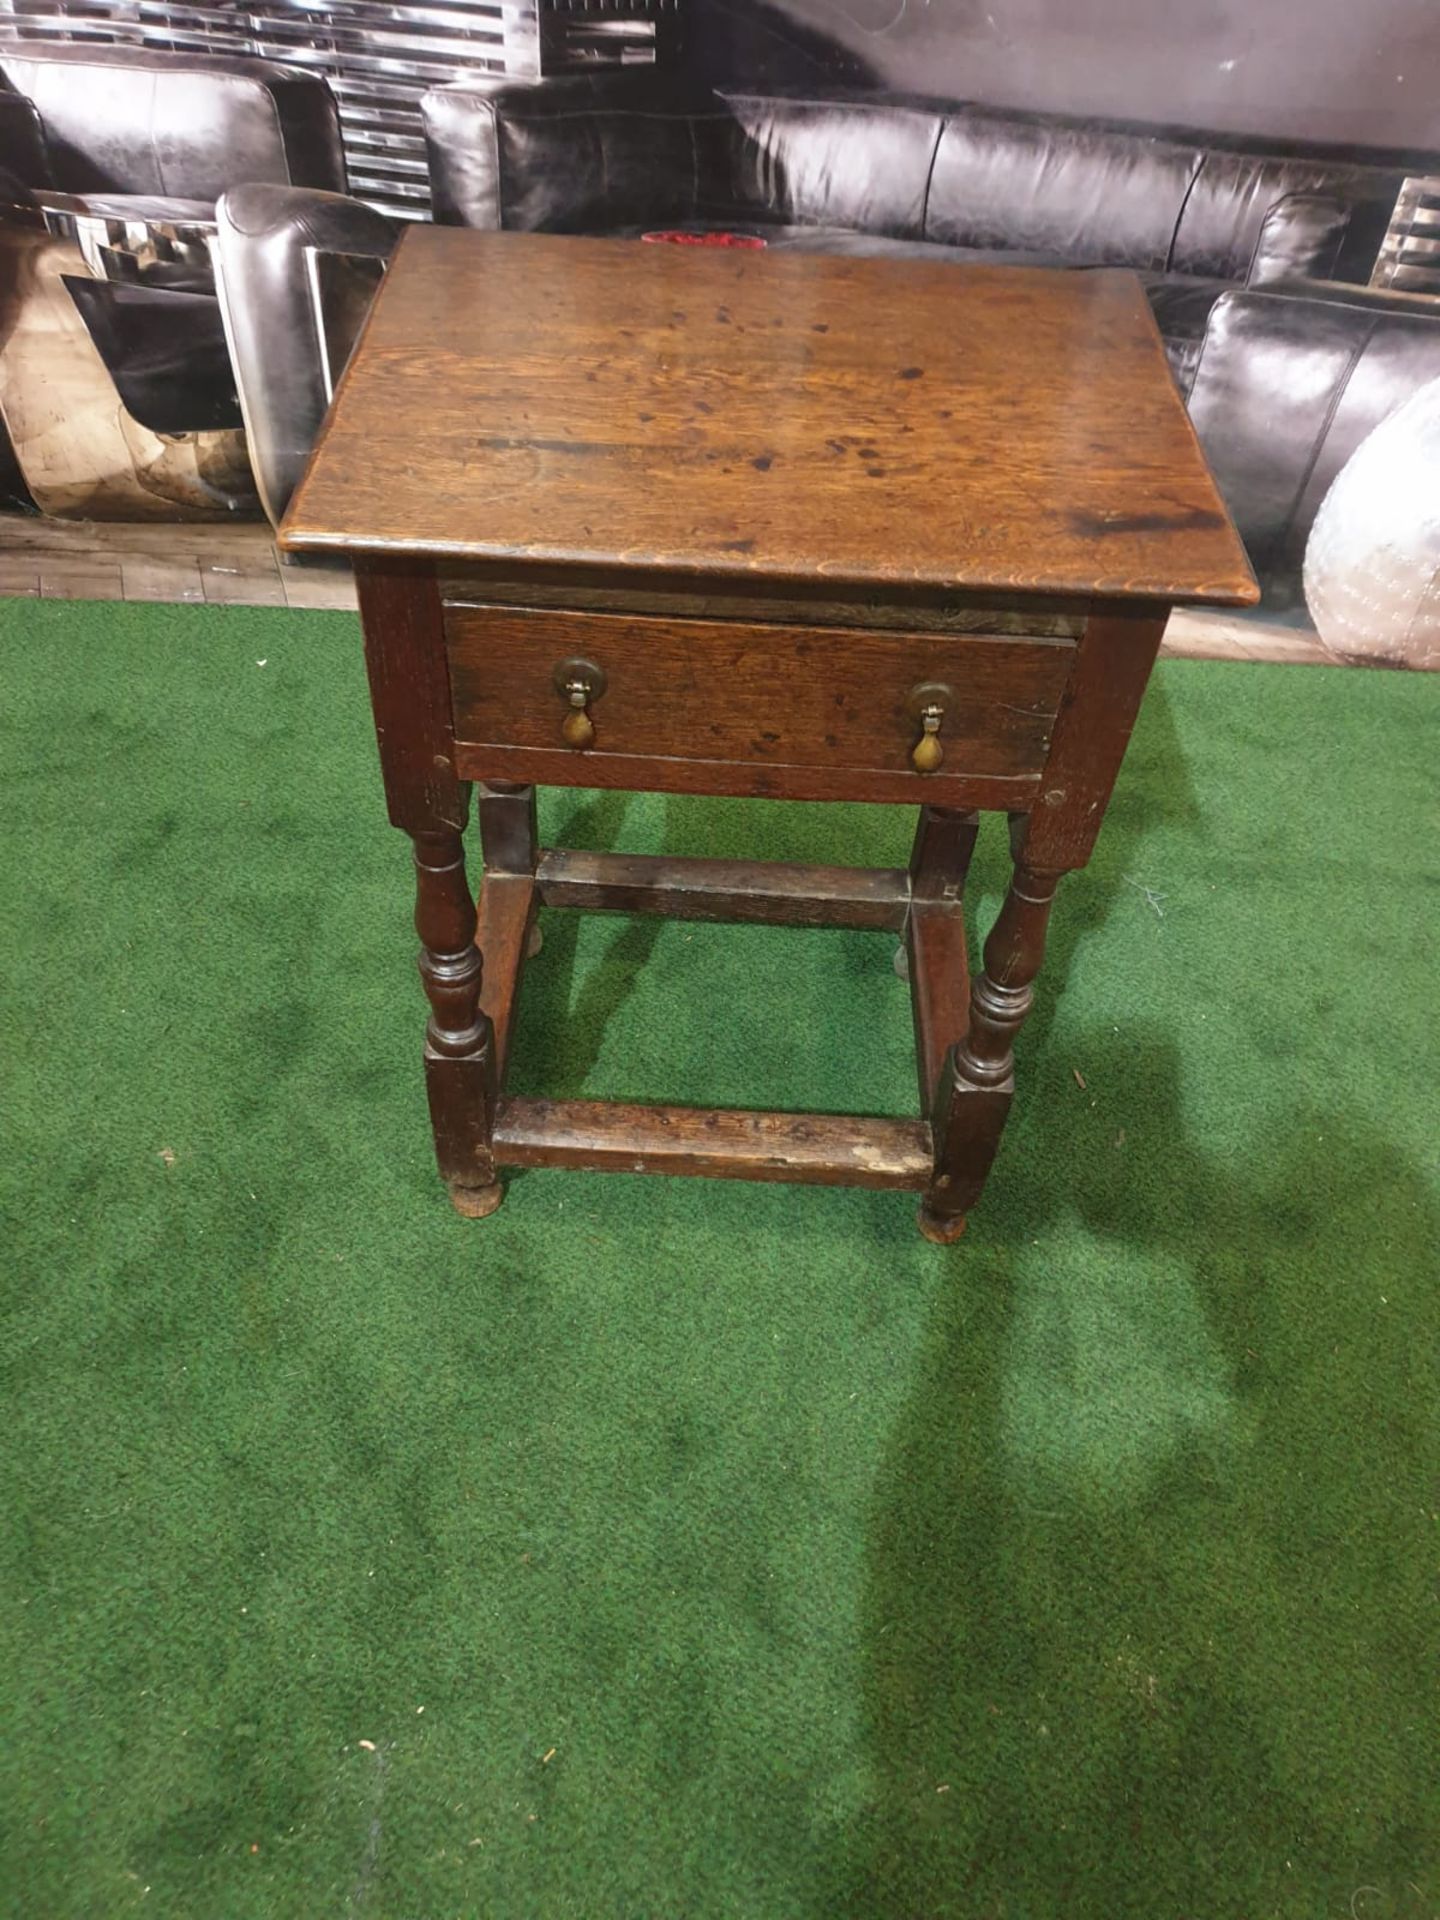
column 185, row 126
column 115, row 380
column 296, row 271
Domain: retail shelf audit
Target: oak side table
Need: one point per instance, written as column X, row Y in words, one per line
column 785, row 525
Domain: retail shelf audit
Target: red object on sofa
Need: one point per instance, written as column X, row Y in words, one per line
column 679, row 237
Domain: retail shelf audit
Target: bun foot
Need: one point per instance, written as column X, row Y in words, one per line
column 534, row 940
column 476, row 1202
column 942, row 1230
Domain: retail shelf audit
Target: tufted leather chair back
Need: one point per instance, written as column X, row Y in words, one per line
column 178, row 125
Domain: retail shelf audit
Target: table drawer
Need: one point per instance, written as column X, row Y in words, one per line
column 787, row 709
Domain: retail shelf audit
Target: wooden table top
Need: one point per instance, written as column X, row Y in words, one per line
column 866, row 424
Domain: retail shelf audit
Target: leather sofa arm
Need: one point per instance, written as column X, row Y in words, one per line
column 1299, row 231
column 1325, row 233
column 584, row 153
column 24, row 163
column 1290, row 379
column 1377, row 300
column 295, row 269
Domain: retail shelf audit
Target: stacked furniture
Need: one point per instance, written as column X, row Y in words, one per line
column 124, row 383
column 116, row 387
column 377, row 60
column 1255, row 262
column 1410, row 255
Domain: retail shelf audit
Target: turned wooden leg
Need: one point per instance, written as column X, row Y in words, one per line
column 405, row 660
column 976, row 1083
column 934, row 949
column 459, row 1042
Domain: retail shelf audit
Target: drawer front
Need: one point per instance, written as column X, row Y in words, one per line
column 787, row 709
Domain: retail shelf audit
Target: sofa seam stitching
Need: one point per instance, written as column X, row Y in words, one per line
column 493, row 117
column 1190, row 187
column 929, row 180
column 1341, row 389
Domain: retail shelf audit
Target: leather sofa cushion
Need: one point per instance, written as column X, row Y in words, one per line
column 878, row 246
column 836, row 163
column 1285, row 391
column 1080, row 193
column 574, row 156
column 1182, row 306
column 1242, row 219
column 128, row 120
column 1397, row 349
column 1301, row 233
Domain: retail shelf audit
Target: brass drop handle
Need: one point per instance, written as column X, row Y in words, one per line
column 929, row 704
column 928, row 752
column 579, row 683
column 577, row 729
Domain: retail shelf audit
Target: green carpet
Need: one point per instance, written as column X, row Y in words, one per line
column 682, row 1548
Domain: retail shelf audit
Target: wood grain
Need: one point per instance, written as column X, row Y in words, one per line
column 635, row 773
column 410, row 693
column 1111, row 672
column 227, row 586
column 768, row 497
column 610, row 1137
column 773, row 892
column 940, row 858
column 509, row 832
column 720, row 690
column 683, row 597
column 935, row 944
column 460, row 1078
column 975, row 1085
column 505, row 910
column 880, row 425
column 939, row 990
column 99, row 580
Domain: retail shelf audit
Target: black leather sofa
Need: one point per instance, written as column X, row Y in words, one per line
column 623, row 152
column 1254, row 260
column 111, row 161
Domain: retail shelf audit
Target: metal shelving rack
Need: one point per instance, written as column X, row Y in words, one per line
column 379, row 58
